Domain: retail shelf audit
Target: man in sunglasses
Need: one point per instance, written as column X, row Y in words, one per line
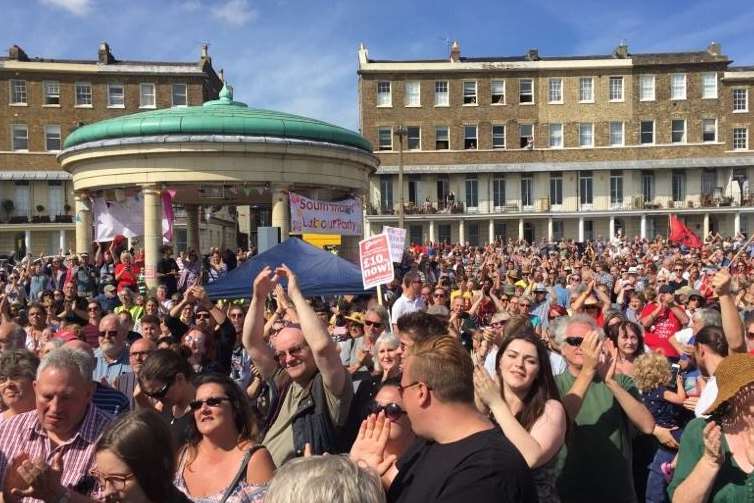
column 602, row 403
column 314, row 389
column 111, row 355
column 410, row 300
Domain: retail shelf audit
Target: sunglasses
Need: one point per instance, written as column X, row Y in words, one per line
column 376, row 324
column 213, row 401
column 160, row 393
column 392, row 410
column 236, row 315
column 439, row 295
column 574, row 341
column 202, row 316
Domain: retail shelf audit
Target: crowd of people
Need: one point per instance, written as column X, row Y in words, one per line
column 615, row 370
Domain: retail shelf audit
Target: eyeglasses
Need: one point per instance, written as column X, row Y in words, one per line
column 438, row 295
column 375, row 324
column 16, row 378
column 574, row 341
column 236, row 315
column 116, row 481
column 92, row 308
column 109, row 333
column 403, row 388
column 213, row 401
column 523, row 305
column 392, row 410
column 201, row 316
column 295, row 352
column 160, row 393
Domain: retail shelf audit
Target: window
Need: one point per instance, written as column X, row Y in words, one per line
column 116, row 95
column 442, row 138
column 740, row 100
column 586, row 89
column 52, row 92
column 616, row 188
column 18, row 92
column 180, row 95
column 386, row 192
column 413, row 189
column 415, row 233
column 589, row 230
column 413, row 93
column 709, row 130
column 616, row 134
column 443, row 188
column 556, row 189
column 500, row 230
column 146, row 95
column 647, row 132
column 472, row 234
column 679, row 186
column 556, row 135
column 52, row 138
column 709, row 180
column 586, row 136
column 19, row 137
column 555, row 91
column 384, row 97
column 678, row 86
column 527, row 191
column 526, row 91
column 526, row 135
column 472, row 191
column 443, row 233
column 709, row 85
column 469, row 137
column 442, row 97
column 740, row 138
column 498, row 92
column 586, row 192
column 83, row 94
column 498, row 191
column 498, row 136
column 648, row 185
column 21, row 198
column 616, row 88
column 678, row 131
column 557, row 230
column 384, row 138
column 55, row 198
column 646, row 88
column 413, row 138
column 469, row 92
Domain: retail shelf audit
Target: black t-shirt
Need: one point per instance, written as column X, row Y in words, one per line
column 165, row 266
column 482, row 468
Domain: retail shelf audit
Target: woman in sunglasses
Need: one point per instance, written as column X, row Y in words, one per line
column 134, row 461
column 222, row 460
column 389, row 400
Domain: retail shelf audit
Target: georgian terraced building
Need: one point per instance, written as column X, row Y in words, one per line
column 569, row 147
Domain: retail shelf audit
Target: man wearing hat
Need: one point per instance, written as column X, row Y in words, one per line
column 540, row 305
column 108, row 299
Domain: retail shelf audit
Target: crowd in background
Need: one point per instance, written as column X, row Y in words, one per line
column 612, row 370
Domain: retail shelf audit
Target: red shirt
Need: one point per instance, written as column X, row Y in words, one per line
column 658, row 335
column 128, row 279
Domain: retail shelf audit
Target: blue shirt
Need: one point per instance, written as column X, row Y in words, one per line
column 110, row 400
column 110, row 370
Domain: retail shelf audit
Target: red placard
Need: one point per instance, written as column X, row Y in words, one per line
column 374, row 257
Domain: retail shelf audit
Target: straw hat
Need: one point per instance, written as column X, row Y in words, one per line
column 733, row 373
column 355, row 317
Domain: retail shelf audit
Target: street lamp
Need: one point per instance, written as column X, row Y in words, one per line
column 400, row 132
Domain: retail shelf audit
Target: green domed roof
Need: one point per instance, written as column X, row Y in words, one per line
column 219, row 117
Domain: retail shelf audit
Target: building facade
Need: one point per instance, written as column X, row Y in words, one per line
column 44, row 100
column 559, row 147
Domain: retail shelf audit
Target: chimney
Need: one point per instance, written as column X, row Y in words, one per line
column 621, row 51
column 455, row 52
column 533, row 55
column 16, row 53
column 104, row 56
column 222, row 75
column 714, row 49
column 205, row 51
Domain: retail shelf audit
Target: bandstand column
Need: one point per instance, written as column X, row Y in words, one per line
column 62, row 245
column 432, row 231
column 643, row 227
column 705, row 225
column 83, row 222
column 192, row 227
column 611, row 228
column 520, row 229
column 581, row 229
column 152, row 233
column 736, row 223
column 461, row 232
column 550, row 232
column 491, row 231
column 280, row 211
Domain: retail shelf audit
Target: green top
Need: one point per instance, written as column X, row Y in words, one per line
column 597, row 456
column 219, row 117
column 731, row 485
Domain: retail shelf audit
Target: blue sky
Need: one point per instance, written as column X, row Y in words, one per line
column 300, row 56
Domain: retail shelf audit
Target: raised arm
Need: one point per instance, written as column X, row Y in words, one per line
column 733, row 328
column 635, row 410
column 253, row 326
column 324, row 349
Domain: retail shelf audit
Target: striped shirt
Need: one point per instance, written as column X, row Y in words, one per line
column 24, row 434
column 110, row 400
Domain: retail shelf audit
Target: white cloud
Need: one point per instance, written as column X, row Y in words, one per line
column 235, row 12
column 75, row 7
column 191, row 5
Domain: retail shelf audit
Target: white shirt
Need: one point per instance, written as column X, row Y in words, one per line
column 404, row 305
column 709, row 394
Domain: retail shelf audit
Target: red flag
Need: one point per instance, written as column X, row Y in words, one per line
column 681, row 234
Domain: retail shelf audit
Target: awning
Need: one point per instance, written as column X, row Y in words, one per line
column 35, row 175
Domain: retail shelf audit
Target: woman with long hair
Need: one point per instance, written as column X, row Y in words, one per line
column 524, row 400
column 222, row 460
column 217, row 267
column 134, row 461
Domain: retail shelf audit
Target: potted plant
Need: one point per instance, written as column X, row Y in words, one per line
column 66, row 218
column 40, row 218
